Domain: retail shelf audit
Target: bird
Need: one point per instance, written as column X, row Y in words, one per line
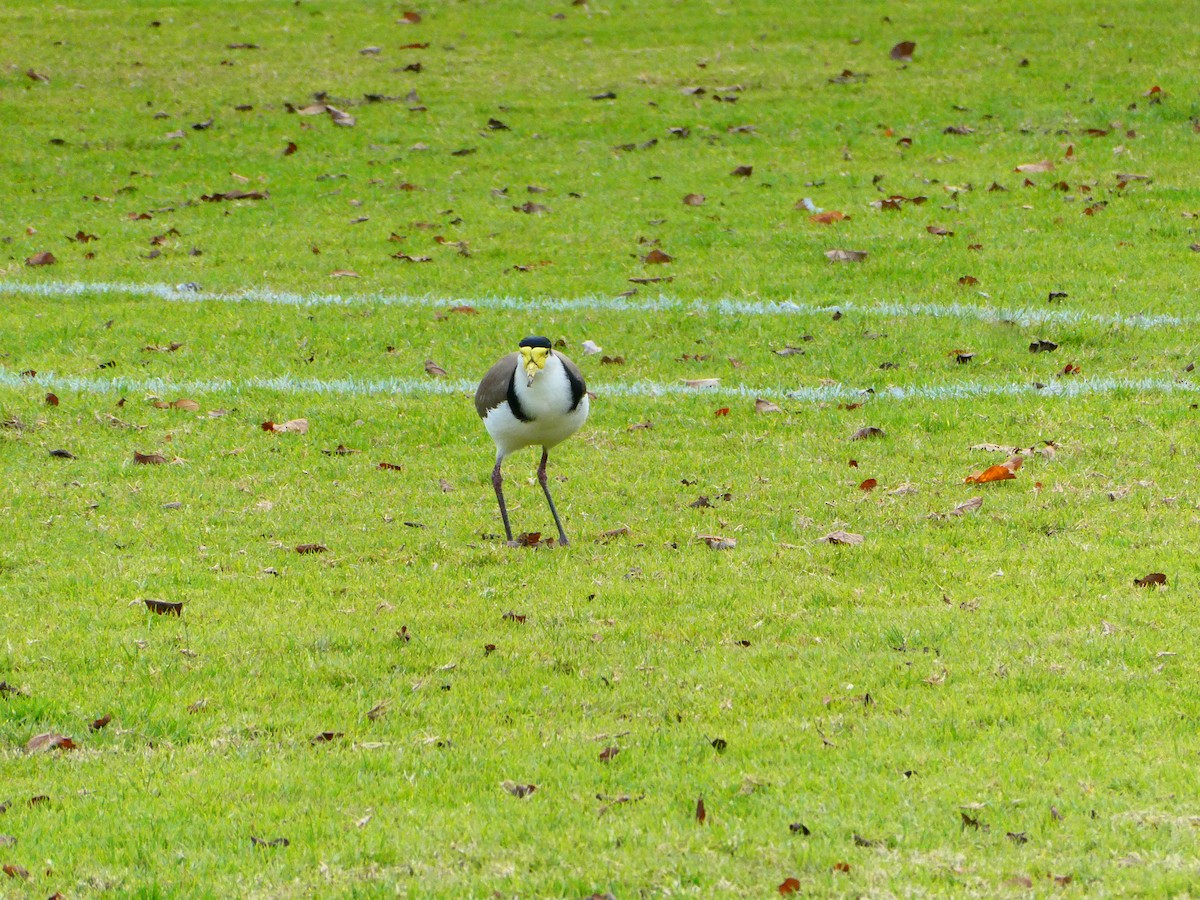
column 534, row 396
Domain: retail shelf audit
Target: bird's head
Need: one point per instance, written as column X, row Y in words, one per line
column 534, row 353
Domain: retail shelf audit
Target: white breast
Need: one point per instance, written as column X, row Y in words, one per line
column 546, row 403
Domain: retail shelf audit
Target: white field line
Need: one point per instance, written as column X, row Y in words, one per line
column 1024, row 316
column 413, row 387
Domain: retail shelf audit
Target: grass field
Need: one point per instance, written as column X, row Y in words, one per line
column 977, row 699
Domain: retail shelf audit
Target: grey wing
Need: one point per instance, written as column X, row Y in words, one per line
column 493, row 390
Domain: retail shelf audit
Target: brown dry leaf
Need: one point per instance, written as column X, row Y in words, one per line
column 51, row 399
column 607, row 536
column 12, row 870
column 49, row 741
column 290, row 148
column 843, row 867
column 657, row 257
column 701, row 382
column 848, row 538
column 432, row 368
column 326, row 737
column 867, row 433
column 391, row 466
column 344, row 273
column 789, row 886
column 701, row 812
column 148, row 459
column 45, row 258
column 694, row 199
column 185, row 404
column 520, row 791
column 766, row 406
column 340, row 117
column 378, row 711
column 743, row 171
column 869, row 485
column 1003, row 472
column 164, row 607
column 409, row 18
column 100, row 723
column 939, row 231
column 717, row 542
column 311, row 548
column 1153, row 580
column 1044, row 165
column 828, row 217
column 903, row 51
column 963, row 508
column 608, row 753
column 846, row 255
column 292, row 426
column 511, row 616
column 968, row 281
column 532, row 208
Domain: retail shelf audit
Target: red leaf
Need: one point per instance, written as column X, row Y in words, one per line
column 903, row 51
column 723, row 411
column 100, row 723
column 828, row 217
column 789, row 886
column 869, row 485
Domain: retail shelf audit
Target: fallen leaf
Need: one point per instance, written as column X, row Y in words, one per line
column 866, row 433
column 963, row 508
column 694, row 199
column 799, row 828
column 514, row 617
column 292, row 426
column 49, row 741
column 939, row 231
column 532, row 208
column 789, row 886
column 311, row 548
column 701, row 382
column 1044, row 165
column 903, row 51
column 846, row 255
column 185, row 404
column 164, row 607
column 717, row 542
column 766, row 406
column 608, row 753
column 828, row 217
column 607, row 536
column 277, row 842
column 148, row 459
column 62, row 454
column 842, row 537
column 340, row 117
column 1043, row 346
column 842, row 867
column 521, row 791
column 392, row 466
column 45, row 258
column 434, row 369
column 701, row 812
column 344, row 273
column 51, row 399
column 326, row 737
column 1153, row 580
column 743, row 171
column 656, row 257
column 100, row 723
column 1003, row 472
column 869, row 485
column 12, row 870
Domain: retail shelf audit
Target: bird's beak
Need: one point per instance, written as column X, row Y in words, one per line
column 533, row 360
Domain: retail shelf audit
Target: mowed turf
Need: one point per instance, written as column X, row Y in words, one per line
column 972, row 703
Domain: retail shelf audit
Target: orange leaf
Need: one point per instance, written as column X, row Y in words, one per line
column 723, row 411
column 1002, row 472
column 869, row 485
column 828, row 217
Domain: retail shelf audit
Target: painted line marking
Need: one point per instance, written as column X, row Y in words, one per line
column 413, row 387
column 1024, row 316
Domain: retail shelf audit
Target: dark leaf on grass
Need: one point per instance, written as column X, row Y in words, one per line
column 290, row 148
column 62, row 454
column 701, row 812
column 1070, row 369
column 1017, row 837
column 45, row 258
column 789, row 886
column 148, row 459
column 260, row 842
column 962, row 357
column 496, row 125
column 903, row 51
column 326, row 737
column 958, row 129
column 83, row 237
column 694, row 199
column 939, row 231
column 34, row 75
column 311, row 548
column 520, row 791
column 608, row 753
column 432, row 368
column 342, row 450
column 606, row 95
column 719, row 744
column 49, row 741
column 656, row 257
column 828, row 217
column 869, row 485
column 1153, row 580
column 1042, row 346
column 514, row 617
column 100, row 723
column 38, row 800
column 799, row 828
column 846, row 255
column 404, row 634
column 701, row 502
column 532, row 208
column 860, row 841
column 391, row 467
column 203, row 126
column 743, row 171
column 12, row 870
column 842, row 867
column 867, row 433
column 164, row 607
column 968, row 281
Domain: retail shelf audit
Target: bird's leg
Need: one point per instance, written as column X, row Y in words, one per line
column 562, row 535
column 497, row 480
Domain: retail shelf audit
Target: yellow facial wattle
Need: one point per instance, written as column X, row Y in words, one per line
column 533, row 360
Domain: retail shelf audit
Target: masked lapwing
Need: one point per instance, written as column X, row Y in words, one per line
column 535, row 396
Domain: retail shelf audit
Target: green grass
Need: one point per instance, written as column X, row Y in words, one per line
column 1000, row 664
